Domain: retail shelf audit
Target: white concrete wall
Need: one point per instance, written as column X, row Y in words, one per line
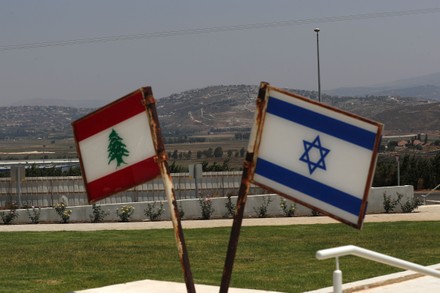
column 375, row 199
column 192, row 210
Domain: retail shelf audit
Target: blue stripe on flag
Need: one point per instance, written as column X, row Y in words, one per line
column 310, row 187
column 322, row 123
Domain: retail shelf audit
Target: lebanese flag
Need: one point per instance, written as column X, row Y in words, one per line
column 115, row 147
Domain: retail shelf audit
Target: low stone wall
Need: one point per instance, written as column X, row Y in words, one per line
column 192, row 210
column 375, row 199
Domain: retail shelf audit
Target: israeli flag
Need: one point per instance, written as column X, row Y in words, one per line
column 317, row 155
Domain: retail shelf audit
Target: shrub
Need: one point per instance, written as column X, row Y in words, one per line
column 153, row 212
column 410, row 205
column 390, row 204
column 230, row 206
column 63, row 212
column 34, row 214
column 8, row 217
column 206, row 207
column 261, row 211
column 124, row 213
column 289, row 211
column 407, row 207
column 98, row 214
column 315, row 213
column 181, row 211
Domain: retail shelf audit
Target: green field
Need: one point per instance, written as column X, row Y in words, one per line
column 280, row 258
column 23, row 149
column 35, row 149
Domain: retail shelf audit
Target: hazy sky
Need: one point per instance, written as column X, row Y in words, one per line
column 354, row 51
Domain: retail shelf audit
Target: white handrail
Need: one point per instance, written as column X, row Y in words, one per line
column 337, row 252
column 426, row 195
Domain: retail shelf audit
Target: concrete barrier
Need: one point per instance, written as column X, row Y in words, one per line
column 192, row 209
column 376, row 197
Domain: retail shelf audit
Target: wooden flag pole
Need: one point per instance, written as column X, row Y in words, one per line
column 236, row 225
column 248, row 171
column 168, row 187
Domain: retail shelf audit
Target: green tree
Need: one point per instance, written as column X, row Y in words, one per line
column 176, row 168
column 386, row 172
column 425, row 176
column 391, row 146
column 117, row 150
column 225, row 166
column 218, row 152
column 409, row 170
column 230, row 152
column 175, row 155
column 435, row 170
column 209, row 153
column 199, row 154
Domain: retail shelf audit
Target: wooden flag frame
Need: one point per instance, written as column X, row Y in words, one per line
column 249, row 167
column 145, row 97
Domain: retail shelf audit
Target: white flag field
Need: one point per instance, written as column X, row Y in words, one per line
column 317, row 155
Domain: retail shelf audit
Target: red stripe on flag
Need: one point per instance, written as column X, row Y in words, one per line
column 110, row 115
column 123, row 179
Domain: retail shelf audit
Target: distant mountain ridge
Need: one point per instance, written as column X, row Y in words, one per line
column 425, row 86
column 231, row 108
column 59, row 103
column 220, row 109
column 214, row 108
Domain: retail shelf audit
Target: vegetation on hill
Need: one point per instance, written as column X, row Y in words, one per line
column 193, row 114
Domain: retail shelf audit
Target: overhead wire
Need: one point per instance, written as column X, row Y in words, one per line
column 218, row 29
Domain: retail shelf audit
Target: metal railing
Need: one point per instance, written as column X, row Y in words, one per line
column 426, row 195
column 371, row 255
column 46, row 191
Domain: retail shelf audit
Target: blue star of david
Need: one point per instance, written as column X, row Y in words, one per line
column 314, row 155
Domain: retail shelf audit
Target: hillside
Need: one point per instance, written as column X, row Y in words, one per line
column 230, row 108
column 220, row 109
column 38, row 121
column 215, row 108
column 412, row 117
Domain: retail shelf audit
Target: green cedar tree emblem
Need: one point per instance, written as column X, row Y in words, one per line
column 116, row 149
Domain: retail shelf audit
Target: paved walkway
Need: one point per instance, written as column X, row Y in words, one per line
column 163, row 287
column 403, row 282
column 424, row 213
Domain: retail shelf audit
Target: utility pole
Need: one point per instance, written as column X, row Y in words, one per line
column 319, row 71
